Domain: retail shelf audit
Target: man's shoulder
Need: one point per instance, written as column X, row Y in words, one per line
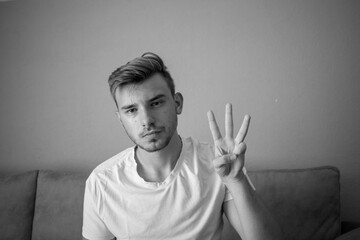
column 199, row 157
column 197, row 150
column 114, row 163
column 200, row 146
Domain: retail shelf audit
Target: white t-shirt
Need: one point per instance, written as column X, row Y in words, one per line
column 186, row 205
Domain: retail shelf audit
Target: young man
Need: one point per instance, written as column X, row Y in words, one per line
column 166, row 186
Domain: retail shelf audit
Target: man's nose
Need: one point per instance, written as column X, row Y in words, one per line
column 146, row 118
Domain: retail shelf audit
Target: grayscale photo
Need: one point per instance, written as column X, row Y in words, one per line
column 179, row 120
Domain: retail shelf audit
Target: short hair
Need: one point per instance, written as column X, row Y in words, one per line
column 138, row 70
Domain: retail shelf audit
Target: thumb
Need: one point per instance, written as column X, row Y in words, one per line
column 224, row 160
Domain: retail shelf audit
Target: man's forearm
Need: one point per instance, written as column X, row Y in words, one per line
column 257, row 222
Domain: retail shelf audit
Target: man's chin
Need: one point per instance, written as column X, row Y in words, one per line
column 153, row 145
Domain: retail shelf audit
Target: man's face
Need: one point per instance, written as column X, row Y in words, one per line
column 148, row 112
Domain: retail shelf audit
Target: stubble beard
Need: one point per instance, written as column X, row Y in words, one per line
column 163, row 141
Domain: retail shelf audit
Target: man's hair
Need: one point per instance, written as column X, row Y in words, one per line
column 139, row 70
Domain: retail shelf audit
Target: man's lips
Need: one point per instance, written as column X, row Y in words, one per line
column 150, row 133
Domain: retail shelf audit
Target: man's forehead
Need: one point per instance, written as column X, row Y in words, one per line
column 144, row 91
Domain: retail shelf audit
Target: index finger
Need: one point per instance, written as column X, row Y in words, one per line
column 215, row 132
column 243, row 130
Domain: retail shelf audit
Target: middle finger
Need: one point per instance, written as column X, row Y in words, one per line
column 229, row 125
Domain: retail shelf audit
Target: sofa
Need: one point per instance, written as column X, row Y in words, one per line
column 45, row 204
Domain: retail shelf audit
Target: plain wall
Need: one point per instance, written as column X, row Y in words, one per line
column 294, row 66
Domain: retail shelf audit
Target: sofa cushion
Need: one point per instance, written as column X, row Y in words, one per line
column 17, row 205
column 306, row 202
column 59, row 205
column 352, row 235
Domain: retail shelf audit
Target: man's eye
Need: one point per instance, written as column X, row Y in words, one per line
column 157, row 103
column 131, row 110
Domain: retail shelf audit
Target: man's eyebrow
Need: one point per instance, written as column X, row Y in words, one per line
column 157, row 97
column 127, row 106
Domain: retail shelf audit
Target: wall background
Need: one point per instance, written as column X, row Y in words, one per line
column 294, row 66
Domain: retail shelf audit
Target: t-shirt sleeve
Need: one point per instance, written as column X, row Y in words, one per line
column 93, row 227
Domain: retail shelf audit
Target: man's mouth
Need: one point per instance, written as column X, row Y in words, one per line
column 151, row 133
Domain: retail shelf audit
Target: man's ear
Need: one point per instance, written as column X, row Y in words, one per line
column 179, row 101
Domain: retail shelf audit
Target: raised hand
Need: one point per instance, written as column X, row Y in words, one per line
column 229, row 151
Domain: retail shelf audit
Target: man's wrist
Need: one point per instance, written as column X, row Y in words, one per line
column 241, row 180
column 236, row 180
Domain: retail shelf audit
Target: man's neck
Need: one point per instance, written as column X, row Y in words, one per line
column 156, row 166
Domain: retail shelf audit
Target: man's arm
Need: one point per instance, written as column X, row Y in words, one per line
column 233, row 217
column 245, row 211
column 249, row 216
column 88, row 239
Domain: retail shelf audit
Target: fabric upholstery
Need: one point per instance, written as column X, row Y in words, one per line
column 354, row 234
column 59, row 205
column 306, row 202
column 17, row 205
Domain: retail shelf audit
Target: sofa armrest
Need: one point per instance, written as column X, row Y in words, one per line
column 352, row 235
